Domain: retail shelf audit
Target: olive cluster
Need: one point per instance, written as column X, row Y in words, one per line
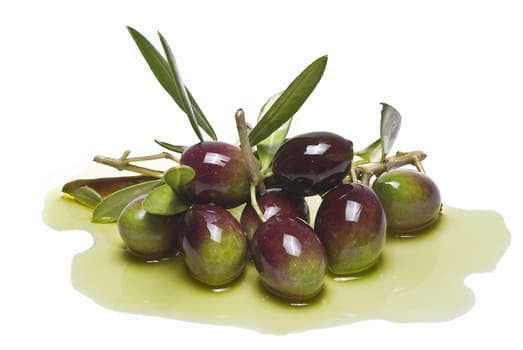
column 291, row 254
column 187, row 209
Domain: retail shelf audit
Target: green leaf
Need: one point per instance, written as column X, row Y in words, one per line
column 181, row 91
column 372, row 153
column 289, row 102
column 163, row 73
column 266, row 149
column 178, row 176
column 87, row 196
column 163, row 200
column 200, row 118
column 171, row 147
column 109, row 209
column 389, row 127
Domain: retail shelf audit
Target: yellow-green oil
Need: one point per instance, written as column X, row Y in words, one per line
column 419, row 279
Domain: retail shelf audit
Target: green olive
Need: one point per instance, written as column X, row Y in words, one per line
column 148, row 236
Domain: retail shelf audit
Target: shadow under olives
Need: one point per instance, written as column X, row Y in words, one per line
column 418, row 234
column 277, row 300
column 358, row 276
column 132, row 257
column 209, row 288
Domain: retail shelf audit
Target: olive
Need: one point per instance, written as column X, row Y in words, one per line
column 151, row 237
column 274, row 201
column 351, row 225
column 312, row 163
column 411, row 199
column 221, row 174
column 289, row 258
column 213, row 245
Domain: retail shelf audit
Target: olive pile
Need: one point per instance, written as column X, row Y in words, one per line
column 186, row 210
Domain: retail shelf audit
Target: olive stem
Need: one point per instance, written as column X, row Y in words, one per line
column 252, row 164
column 245, row 145
column 364, row 172
column 124, row 163
column 254, row 203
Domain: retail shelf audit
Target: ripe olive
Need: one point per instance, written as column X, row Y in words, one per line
column 222, row 176
column 351, row 225
column 312, row 163
column 214, row 247
column 289, row 258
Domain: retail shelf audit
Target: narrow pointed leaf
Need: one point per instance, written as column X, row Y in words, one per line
column 200, row 118
column 162, row 71
column 290, row 101
column 87, row 196
column 163, row 200
column 389, row 127
column 156, row 62
column 178, row 176
column 266, row 149
column 171, row 147
column 109, row 209
column 179, row 86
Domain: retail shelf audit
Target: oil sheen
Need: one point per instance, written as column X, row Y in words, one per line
column 419, row 279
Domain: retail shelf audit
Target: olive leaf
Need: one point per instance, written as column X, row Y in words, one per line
column 289, row 101
column 178, row 176
column 171, row 147
column 164, row 200
column 86, row 195
column 109, row 209
column 266, row 149
column 181, row 91
column 168, row 76
column 372, row 153
column 105, row 185
column 389, row 127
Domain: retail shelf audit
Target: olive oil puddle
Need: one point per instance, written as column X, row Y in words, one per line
column 419, row 279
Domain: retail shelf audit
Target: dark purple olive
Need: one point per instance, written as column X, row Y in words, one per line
column 312, row 163
column 274, row 201
column 289, row 258
column 148, row 236
column 411, row 199
column 351, row 225
column 222, row 176
column 213, row 245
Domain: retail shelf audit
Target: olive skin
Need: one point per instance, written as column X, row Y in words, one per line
column 214, row 247
column 312, row 163
column 274, row 201
column 289, row 258
column 411, row 199
column 351, row 225
column 221, row 174
column 150, row 237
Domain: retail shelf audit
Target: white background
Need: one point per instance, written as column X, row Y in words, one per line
column 72, row 85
